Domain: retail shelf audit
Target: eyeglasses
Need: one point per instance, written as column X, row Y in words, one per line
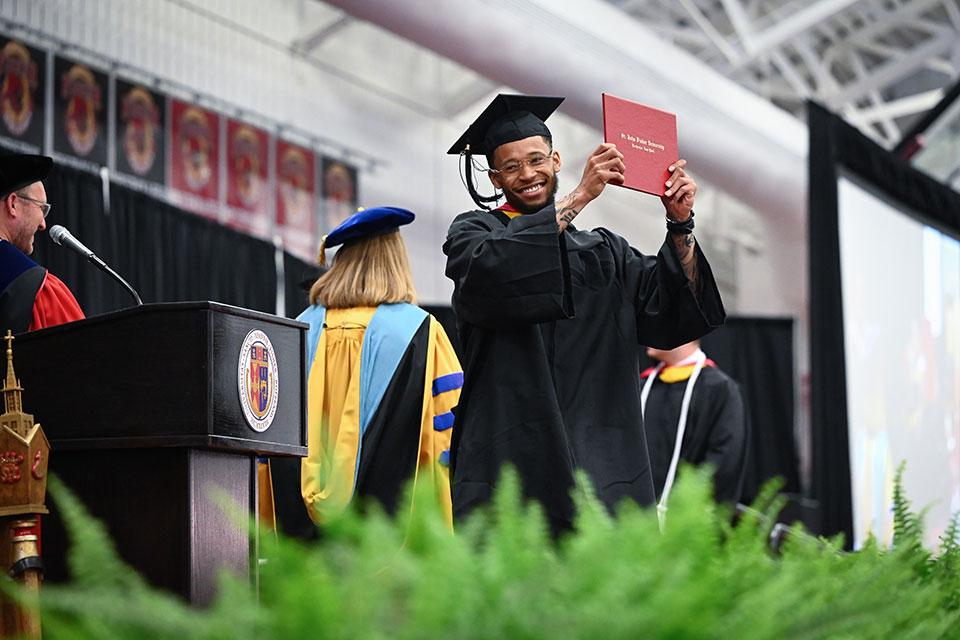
column 44, row 206
column 516, row 166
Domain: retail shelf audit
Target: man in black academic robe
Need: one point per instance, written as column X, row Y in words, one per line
column 714, row 427
column 551, row 318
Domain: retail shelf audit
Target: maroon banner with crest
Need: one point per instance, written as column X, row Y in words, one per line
column 22, row 91
column 194, row 151
column 247, row 178
column 80, row 111
column 296, row 200
column 140, row 139
column 339, row 189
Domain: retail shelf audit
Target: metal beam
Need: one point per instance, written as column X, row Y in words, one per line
column 731, row 54
column 906, row 106
column 825, row 83
column 893, row 71
column 953, row 13
column 791, row 27
column 940, row 65
column 790, row 74
column 308, row 43
column 881, row 20
column 740, row 21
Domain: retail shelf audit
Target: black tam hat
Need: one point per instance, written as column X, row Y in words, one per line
column 507, row 119
column 17, row 170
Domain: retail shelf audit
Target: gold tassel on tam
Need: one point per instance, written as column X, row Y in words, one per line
column 322, row 258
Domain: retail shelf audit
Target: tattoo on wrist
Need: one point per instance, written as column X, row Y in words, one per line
column 566, row 212
column 688, row 259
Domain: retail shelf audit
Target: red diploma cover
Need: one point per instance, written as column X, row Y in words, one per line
column 646, row 137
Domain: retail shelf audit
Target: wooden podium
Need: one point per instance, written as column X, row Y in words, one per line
column 145, row 413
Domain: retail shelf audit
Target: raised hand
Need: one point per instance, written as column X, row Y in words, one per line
column 604, row 165
column 678, row 198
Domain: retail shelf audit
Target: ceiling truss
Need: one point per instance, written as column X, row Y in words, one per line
column 881, row 63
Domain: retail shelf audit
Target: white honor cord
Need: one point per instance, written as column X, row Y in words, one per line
column 646, row 388
column 681, row 428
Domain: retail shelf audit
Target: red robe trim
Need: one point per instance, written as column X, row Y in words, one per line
column 54, row 304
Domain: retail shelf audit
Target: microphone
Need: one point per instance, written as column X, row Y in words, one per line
column 64, row 238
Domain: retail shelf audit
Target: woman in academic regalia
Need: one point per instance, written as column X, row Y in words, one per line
column 383, row 376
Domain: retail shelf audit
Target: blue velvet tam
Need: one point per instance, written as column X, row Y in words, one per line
column 375, row 221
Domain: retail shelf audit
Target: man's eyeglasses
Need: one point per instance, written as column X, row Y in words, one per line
column 44, row 206
column 516, row 166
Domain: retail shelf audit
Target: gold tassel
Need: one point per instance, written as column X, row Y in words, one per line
column 322, row 258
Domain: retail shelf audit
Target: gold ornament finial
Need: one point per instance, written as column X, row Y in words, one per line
column 12, row 400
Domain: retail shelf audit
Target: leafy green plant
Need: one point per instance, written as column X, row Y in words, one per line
column 503, row 576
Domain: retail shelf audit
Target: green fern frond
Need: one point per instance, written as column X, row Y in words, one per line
column 503, row 575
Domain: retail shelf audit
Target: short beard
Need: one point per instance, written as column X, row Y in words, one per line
column 23, row 241
column 526, row 210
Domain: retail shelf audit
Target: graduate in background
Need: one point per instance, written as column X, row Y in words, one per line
column 693, row 412
column 30, row 296
column 383, row 377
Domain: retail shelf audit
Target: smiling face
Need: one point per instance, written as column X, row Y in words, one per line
column 527, row 184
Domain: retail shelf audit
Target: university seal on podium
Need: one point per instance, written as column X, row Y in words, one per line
column 258, row 380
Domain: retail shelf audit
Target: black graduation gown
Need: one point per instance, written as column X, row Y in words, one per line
column 550, row 325
column 716, row 430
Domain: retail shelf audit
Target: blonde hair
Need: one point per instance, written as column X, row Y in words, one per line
column 366, row 273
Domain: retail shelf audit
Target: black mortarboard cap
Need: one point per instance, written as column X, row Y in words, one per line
column 17, row 170
column 507, row 119
column 369, row 222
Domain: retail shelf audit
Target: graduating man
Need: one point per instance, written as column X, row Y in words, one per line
column 551, row 318
column 30, row 297
column 693, row 411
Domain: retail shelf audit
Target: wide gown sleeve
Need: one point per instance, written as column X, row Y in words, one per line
column 444, row 381
column 668, row 312
column 508, row 275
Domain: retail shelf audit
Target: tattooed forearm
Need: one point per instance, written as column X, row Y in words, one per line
column 566, row 210
column 685, row 245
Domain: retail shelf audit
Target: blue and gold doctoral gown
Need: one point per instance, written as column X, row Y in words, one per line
column 551, row 326
column 382, row 385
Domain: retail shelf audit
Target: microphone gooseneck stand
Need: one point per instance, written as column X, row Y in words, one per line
column 64, row 238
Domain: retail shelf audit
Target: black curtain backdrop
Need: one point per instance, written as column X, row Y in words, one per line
column 298, row 276
column 758, row 354
column 165, row 253
column 833, row 144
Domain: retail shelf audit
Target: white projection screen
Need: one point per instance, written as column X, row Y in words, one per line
column 901, row 327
